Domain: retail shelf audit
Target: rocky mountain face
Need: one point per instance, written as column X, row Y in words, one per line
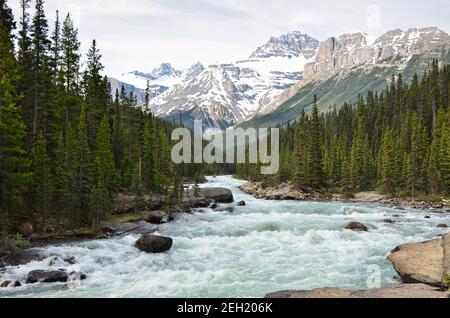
column 353, row 50
column 288, row 45
column 349, row 65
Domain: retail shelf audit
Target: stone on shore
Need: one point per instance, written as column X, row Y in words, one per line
column 26, row 229
column 421, row 262
column 284, row 191
column 154, row 243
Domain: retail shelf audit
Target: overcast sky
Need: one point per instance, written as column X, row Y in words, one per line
column 140, row 34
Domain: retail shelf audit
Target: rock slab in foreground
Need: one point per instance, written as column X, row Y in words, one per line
column 394, row 291
column 154, row 243
column 420, row 263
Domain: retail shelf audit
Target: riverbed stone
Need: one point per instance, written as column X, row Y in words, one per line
column 47, row 276
column 442, row 226
column 419, row 263
column 242, row 203
column 154, row 243
column 356, row 226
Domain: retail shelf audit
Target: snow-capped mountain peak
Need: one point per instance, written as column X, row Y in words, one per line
column 165, row 69
column 292, row 44
column 193, row 71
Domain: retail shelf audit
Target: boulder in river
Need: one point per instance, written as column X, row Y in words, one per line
column 220, row 195
column 356, row 226
column 388, row 221
column 421, row 262
column 6, row 283
column 242, row 203
column 442, row 226
column 44, row 276
column 154, row 243
column 156, row 217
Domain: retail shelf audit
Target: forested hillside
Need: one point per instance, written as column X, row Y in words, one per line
column 396, row 141
column 68, row 144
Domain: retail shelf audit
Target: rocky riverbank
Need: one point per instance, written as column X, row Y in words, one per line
column 128, row 216
column 286, row 191
column 423, row 267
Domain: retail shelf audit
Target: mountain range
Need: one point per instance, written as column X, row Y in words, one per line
column 282, row 76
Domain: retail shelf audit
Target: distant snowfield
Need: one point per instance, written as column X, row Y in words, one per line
column 141, row 82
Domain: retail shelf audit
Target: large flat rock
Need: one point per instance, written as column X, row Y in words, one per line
column 315, row 293
column 394, row 291
column 420, row 263
column 446, row 263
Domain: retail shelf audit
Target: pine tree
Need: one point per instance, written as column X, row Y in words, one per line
column 70, row 61
column 41, row 185
column 315, row 169
column 105, row 170
column 301, row 158
column 83, row 176
column 61, row 182
column 40, row 49
column 96, row 94
column 26, row 76
column 138, row 185
column 149, row 157
column 14, row 165
column 56, row 47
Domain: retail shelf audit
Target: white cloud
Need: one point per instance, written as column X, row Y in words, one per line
column 138, row 34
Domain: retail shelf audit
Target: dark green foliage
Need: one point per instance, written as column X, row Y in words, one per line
column 14, row 176
column 396, row 141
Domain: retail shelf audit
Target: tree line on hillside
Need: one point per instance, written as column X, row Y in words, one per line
column 68, row 144
column 396, row 141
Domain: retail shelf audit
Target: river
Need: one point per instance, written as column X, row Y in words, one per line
column 263, row 247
